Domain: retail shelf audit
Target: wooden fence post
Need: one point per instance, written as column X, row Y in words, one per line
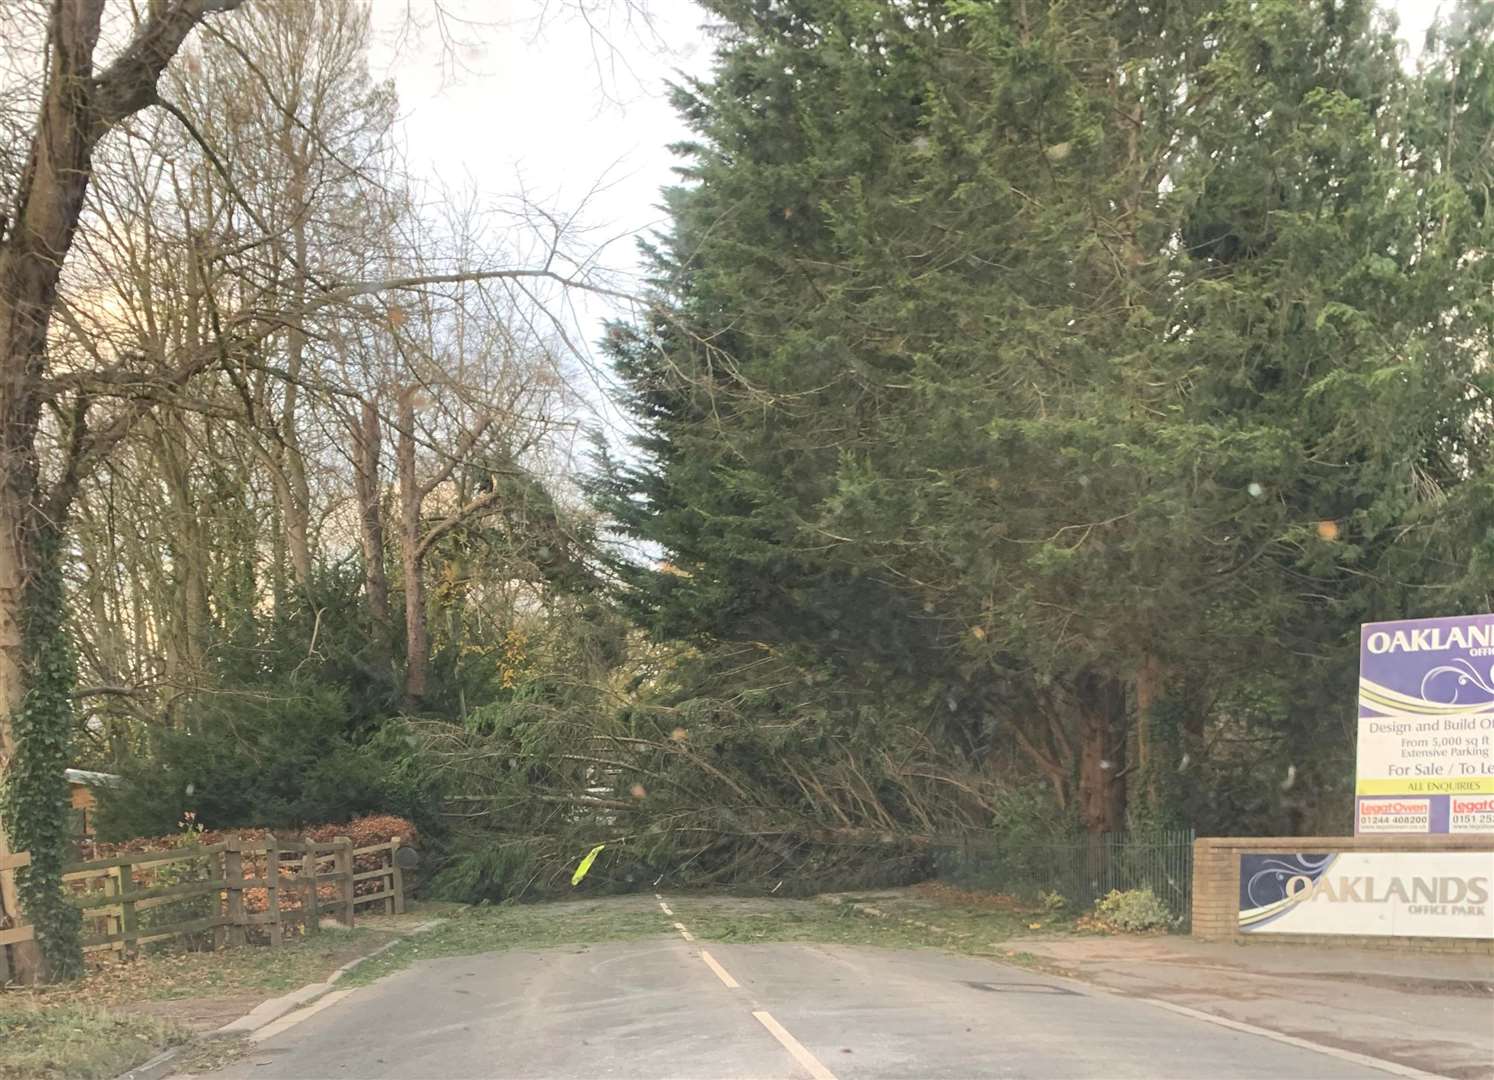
column 272, row 887
column 25, row 964
column 114, row 924
column 396, row 878
column 220, row 932
column 233, row 874
column 311, row 920
column 344, row 865
column 129, row 923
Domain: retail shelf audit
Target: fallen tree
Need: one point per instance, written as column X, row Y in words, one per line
column 774, row 792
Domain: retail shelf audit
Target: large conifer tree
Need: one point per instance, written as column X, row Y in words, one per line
column 1070, row 370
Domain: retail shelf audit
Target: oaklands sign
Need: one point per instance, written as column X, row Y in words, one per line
column 1437, row 895
column 1406, row 894
column 1432, row 639
column 1426, row 726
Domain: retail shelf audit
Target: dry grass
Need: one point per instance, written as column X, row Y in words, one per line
column 76, row 1042
column 232, row 972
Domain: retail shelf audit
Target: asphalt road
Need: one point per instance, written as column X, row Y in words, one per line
column 671, row 1007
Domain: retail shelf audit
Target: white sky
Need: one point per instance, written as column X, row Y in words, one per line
column 553, row 107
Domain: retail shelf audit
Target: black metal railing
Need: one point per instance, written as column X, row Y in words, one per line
column 1081, row 870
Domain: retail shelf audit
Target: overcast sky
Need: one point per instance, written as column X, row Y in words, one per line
column 559, row 106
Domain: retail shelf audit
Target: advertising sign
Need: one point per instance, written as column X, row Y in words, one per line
column 1471, row 815
column 1406, row 894
column 1426, row 726
column 1395, row 816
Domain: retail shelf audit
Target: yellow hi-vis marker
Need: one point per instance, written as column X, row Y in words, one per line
column 591, row 857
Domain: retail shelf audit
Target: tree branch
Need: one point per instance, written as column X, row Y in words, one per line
column 129, row 84
column 446, row 524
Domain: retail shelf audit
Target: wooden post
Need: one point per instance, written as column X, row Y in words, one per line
column 220, row 932
column 396, row 877
column 128, row 923
column 344, row 865
column 233, row 872
column 25, row 964
column 10, row 908
column 272, row 887
column 311, row 921
column 114, row 924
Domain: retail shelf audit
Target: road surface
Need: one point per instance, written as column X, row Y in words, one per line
column 672, row 1007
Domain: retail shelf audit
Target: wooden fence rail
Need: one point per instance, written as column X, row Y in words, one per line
column 390, row 876
column 234, row 890
column 12, row 931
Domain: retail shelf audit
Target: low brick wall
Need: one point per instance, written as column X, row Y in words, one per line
column 1216, row 887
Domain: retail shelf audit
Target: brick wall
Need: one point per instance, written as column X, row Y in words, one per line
column 1216, row 887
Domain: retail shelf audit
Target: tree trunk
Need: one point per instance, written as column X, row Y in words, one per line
column 296, row 491
column 417, row 636
column 14, row 515
column 1148, row 688
column 366, row 439
column 48, row 204
column 36, row 232
column 1102, row 751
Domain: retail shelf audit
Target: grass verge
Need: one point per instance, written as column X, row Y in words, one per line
column 236, row 972
column 76, row 1042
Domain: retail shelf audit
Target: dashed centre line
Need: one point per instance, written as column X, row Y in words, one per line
column 721, row 972
column 797, row 1050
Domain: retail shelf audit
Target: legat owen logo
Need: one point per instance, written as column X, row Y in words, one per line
column 1442, row 895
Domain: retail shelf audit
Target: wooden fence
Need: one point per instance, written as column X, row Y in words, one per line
column 229, row 893
column 14, row 934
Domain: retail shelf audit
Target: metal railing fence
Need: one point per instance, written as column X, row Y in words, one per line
column 1081, row 870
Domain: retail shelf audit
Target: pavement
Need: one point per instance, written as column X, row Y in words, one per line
column 1431, row 1011
column 674, row 1006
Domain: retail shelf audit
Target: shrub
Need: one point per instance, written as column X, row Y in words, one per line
column 1133, row 911
column 280, row 762
column 1052, row 902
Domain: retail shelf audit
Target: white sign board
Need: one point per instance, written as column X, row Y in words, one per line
column 1426, row 724
column 1402, row 894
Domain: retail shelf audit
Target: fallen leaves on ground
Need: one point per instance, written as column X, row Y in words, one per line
column 942, row 893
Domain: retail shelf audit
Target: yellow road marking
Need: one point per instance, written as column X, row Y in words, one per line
column 794, row 1046
column 721, row 972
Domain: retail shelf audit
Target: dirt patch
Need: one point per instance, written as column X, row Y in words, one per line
column 1474, row 988
column 938, row 892
column 208, row 1012
column 197, row 1014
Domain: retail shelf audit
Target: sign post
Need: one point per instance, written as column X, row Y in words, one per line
column 1425, row 761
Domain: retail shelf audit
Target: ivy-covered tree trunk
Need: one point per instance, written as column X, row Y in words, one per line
column 78, row 106
column 37, row 683
column 12, row 694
